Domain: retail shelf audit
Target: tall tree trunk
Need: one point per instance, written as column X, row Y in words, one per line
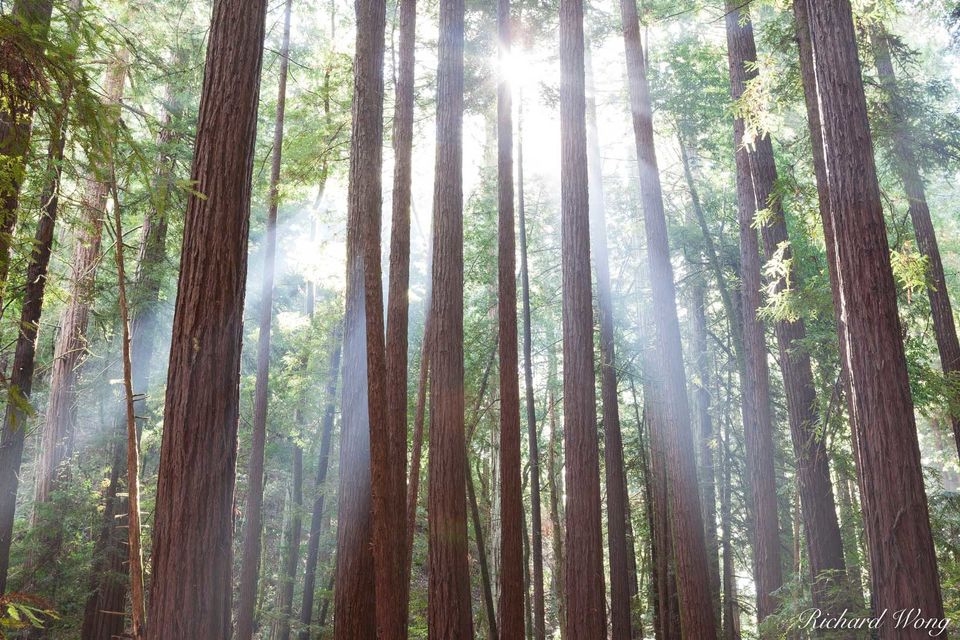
column 449, row 614
column 690, row 551
column 253, row 514
column 707, row 442
column 193, row 531
column 485, row 582
column 416, row 455
column 731, row 606
column 398, row 306
column 21, row 378
column 902, row 559
column 824, row 544
column 61, row 415
column 536, row 536
column 16, row 114
column 616, row 483
column 584, row 586
column 758, row 420
column 108, row 594
column 909, row 173
column 292, row 555
column 511, row 609
column 323, row 463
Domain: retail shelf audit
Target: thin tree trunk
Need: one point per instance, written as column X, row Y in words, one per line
column 690, row 557
column 416, row 456
column 21, row 378
column 485, row 582
column 323, row 463
column 511, row 609
column 758, row 420
column 616, row 483
column 908, row 169
column 584, row 586
column 449, row 614
column 134, row 552
column 16, row 120
column 731, row 607
column 824, row 544
column 397, row 311
column 292, row 557
column 556, row 498
column 539, row 611
column 193, row 532
column 902, row 559
column 246, row 604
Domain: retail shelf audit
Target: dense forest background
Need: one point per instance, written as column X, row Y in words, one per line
column 284, row 459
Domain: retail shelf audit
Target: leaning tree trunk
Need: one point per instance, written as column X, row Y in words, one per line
column 323, row 463
column 670, row 386
column 511, row 606
column 584, row 586
column 193, row 531
column 246, row 604
column 902, row 559
column 908, row 169
column 61, row 415
column 536, row 535
column 20, row 384
column 21, row 89
column 449, row 600
column 824, row 544
column 758, row 419
column 616, row 483
column 398, row 301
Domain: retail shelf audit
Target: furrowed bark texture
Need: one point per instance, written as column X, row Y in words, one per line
column 758, row 420
column 399, row 304
column 902, row 560
column 824, row 543
column 511, row 609
column 584, row 586
column 687, row 526
column 364, row 448
column 449, row 600
column 909, row 173
column 193, row 530
column 246, row 605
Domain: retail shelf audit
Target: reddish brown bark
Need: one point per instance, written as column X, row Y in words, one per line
column 908, row 169
column 584, row 586
column 21, row 377
column 253, row 514
column 511, row 609
column 533, row 445
column 193, row 531
column 902, row 559
column 616, row 483
column 398, row 304
column 670, row 385
column 758, row 420
column 449, row 614
column 364, row 447
column 824, row 543
column 61, row 414
column 323, row 463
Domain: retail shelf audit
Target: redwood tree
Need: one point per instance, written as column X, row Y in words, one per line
column 584, row 588
column 449, row 600
column 696, row 612
column 511, row 609
column 902, row 559
column 192, row 556
column 246, row 606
